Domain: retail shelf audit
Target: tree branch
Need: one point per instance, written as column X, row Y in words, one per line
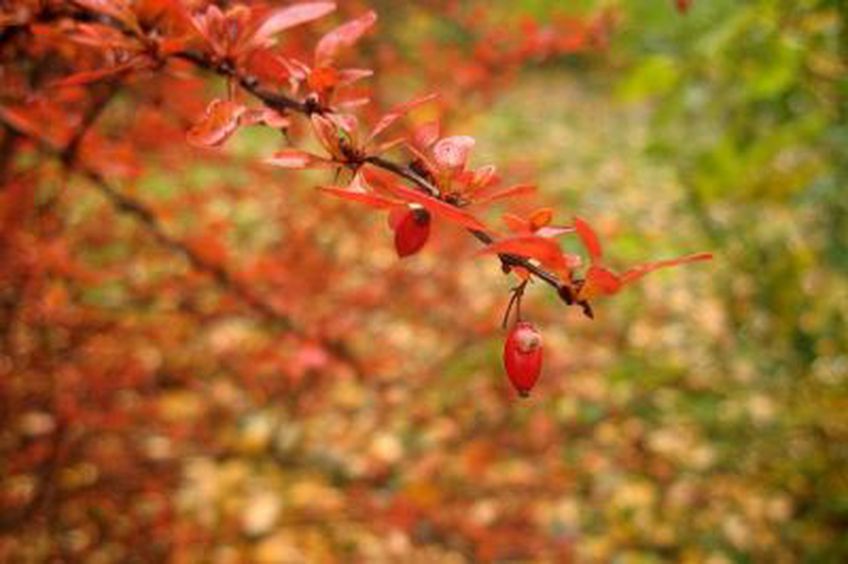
column 144, row 215
column 565, row 288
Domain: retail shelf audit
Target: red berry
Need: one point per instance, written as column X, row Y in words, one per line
column 523, row 356
column 412, row 230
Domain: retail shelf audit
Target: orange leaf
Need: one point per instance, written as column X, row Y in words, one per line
column 426, row 134
column 219, row 122
column 553, row 230
column 600, row 282
column 114, row 9
column 18, row 118
column 297, row 159
column 641, row 270
column 540, row 218
column 343, row 36
column 87, row 77
column 267, row 116
column 398, row 112
column 510, row 192
column 288, row 17
column 367, row 198
column 589, row 239
column 516, row 223
column 435, row 206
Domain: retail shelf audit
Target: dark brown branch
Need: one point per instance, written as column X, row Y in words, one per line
column 7, row 152
column 404, row 172
column 69, row 153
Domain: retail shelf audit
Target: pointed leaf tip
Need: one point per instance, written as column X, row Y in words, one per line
column 221, row 120
column 641, row 270
column 589, row 239
column 288, row 17
column 345, row 35
column 297, row 159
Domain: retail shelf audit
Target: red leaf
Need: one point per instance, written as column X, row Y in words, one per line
column 435, row 206
column 267, row 116
column 452, row 152
column 87, row 77
column 343, row 36
column 349, row 76
column 18, row 118
column 297, row 159
column 516, row 223
column 367, row 198
column 540, row 218
column 388, row 145
column 589, row 239
column 600, row 282
column 426, row 134
column 553, row 230
column 114, row 9
column 505, row 193
column 288, row 17
column 544, row 250
column 323, row 80
column 17, row 199
column 220, row 121
column 398, row 112
column 327, row 132
column 483, row 177
column 210, row 247
column 637, row 272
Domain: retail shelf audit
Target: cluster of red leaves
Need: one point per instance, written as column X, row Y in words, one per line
column 494, row 50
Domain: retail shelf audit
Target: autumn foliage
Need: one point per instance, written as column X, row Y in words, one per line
column 94, row 92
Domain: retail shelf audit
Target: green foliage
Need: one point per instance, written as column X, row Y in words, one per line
column 748, row 103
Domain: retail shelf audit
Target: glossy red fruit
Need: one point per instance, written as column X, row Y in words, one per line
column 412, row 229
column 523, row 356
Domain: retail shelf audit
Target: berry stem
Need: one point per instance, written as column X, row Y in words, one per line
column 514, row 300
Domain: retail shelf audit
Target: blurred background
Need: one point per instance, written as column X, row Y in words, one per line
column 701, row 417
